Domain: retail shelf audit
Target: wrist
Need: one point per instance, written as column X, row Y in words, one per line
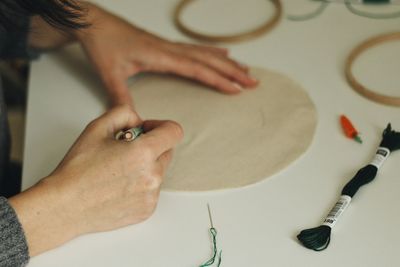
column 45, row 37
column 92, row 15
column 47, row 216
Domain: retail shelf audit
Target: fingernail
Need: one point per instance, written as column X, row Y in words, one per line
column 252, row 79
column 243, row 66
column 238, row 86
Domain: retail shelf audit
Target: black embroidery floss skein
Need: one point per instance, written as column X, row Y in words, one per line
column 318, row 238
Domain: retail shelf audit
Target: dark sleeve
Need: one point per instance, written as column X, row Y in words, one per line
column 15, row 44
column 13, row 247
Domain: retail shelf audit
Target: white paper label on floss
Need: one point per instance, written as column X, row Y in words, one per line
column 381, row 155
column 337, row 211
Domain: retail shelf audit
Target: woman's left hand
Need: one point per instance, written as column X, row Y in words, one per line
column 119, row 50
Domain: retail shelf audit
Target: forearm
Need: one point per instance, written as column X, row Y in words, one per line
column 45, row 37
column 46, row 217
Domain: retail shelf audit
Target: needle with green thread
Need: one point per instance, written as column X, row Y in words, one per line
column 213, row 233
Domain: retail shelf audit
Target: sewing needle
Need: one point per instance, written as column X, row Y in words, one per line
column 209, row 214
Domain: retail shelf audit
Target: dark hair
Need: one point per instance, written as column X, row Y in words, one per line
column 61, row 14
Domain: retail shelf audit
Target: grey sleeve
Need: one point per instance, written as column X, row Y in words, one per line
column 13, row 247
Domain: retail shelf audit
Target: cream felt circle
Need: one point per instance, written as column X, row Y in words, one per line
column 230, row 141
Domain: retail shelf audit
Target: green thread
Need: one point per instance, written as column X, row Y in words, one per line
column 211, row 261
column 350, row 7
column 370, row 15
column 219, row 258
column 213, row 233
column 311, row 15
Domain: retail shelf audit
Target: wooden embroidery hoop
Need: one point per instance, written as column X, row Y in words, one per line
column 357, row 86
column 269, row 25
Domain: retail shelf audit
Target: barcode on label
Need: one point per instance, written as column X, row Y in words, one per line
column 381, row 155
column 337, row 210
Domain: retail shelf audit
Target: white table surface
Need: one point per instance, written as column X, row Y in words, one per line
column 257, row 225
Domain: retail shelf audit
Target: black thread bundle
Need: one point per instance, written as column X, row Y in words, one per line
column 318, row 238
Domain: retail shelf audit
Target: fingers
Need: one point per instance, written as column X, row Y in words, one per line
column 118, row 118
column 198, row 71
column 202, row 50
column 225, row 66
column 160, row 137
column 209, row 65
column 211, row 49
column 217, row 59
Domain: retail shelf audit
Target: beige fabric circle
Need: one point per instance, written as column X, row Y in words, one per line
column 230, row 141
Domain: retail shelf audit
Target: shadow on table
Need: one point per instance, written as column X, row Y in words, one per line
column 75, row 62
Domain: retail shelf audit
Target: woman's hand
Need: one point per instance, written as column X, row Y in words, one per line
column 101, row 184
column 119, row 50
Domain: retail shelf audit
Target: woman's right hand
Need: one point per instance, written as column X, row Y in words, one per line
column 101, row 184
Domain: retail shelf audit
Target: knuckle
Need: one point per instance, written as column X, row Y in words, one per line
column 168, row 58
column 202, row 73
column 125, row 109
column 183, row 61
column 92, row 125
column 198, row 72
column 176, row 128
column 153, row 182
column 192, row 67
column 147, row 153
column 167, row 156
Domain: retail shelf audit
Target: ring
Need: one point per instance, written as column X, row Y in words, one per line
column 356, row 85
column 269, row 25
column 129, row 135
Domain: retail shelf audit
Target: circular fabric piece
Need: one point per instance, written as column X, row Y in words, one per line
column 230, row 141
